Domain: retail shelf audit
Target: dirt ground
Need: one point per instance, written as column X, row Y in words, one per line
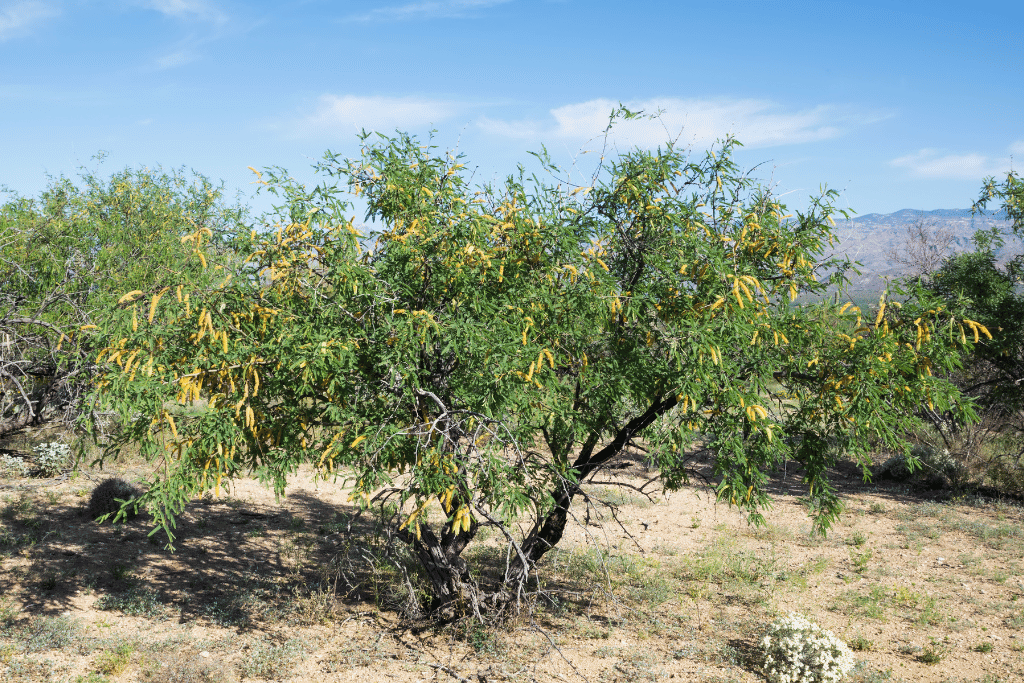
column 924, row 587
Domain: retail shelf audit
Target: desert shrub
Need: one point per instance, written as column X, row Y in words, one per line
column 267, row 660
column 934, row 465
column 49, row 633
column 114, row 662
column 52, row 458
column 796, row 650
column 135, row 601
column 527, row 336
column 187, row 667
column 11, row 466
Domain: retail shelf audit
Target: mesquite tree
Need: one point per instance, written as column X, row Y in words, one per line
column 67, row 256
column 485, row 350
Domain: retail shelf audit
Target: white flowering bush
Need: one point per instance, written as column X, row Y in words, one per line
column 796, row 650
column 52, row 458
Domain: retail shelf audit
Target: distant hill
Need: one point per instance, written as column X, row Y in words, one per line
column 870, row 237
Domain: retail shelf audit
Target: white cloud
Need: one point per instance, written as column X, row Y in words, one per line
column 189, row 9
column 1017, row 147
column 430, row 9
column 177, row 58
column 931, row 163
column 21, row 16
column 351, row 113
column 755, row 123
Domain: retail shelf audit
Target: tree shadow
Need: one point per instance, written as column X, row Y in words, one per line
column 236, row 564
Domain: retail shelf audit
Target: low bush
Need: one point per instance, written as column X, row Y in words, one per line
column 796, row 650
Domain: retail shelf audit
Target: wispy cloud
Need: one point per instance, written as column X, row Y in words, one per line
column 756, row 123
column 932, row 163
column 21, row 16
column 430, row 9
column 206, row 23
column 177, row 58
column 199, row 10
column 350, row 113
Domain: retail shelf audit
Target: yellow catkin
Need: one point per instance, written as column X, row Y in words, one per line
column 130, row 296
column 154, row 302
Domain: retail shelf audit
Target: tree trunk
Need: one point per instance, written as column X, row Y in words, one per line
column 450, row 580
column 548, row 532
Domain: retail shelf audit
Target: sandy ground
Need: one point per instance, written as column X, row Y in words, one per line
column 928, row 588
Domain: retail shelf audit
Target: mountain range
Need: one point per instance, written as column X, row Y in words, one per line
column 871, row 238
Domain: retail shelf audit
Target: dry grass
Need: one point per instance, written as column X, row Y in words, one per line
column 923, row 589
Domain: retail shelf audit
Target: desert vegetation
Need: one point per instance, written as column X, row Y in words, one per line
column 470, row 430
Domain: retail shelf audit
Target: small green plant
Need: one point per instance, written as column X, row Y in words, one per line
column 49, row 633
column 135, row 601
column 858, row 539
column 934, row 652
column 930, row 614
column 877, row 509
column 870, row 605
column 861, row 644
column 92, row 677
column 267, row 660
column 480, row 638
column 860, row 560
column 983, row 647
column 8, row 613
column 114, row 662
column 694, row 522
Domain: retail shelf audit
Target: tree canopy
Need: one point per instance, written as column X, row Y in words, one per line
column 991, row 294
column 483, row 351
column 67, row 257
column 987, row 287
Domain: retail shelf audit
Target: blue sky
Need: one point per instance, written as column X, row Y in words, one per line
column 896, row 104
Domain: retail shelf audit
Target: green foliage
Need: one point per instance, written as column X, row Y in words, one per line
column 135, row 601
column 934, row 652
column 491, row 348
column 65, row 259
column 108, row 499
column 989, row 293
column 114, row 662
